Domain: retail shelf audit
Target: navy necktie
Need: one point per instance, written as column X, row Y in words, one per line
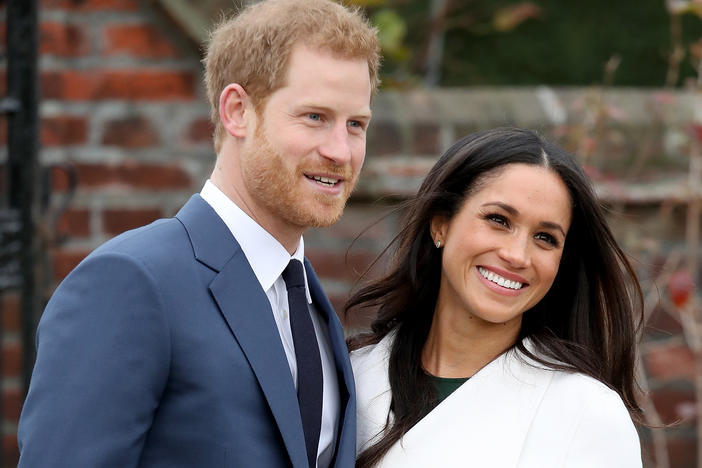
column 309, row 363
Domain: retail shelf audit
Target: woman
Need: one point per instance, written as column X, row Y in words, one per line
column 506, row 327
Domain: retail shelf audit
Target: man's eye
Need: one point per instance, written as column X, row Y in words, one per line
column 314, row 116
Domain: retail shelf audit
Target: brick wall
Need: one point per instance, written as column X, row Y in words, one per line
column 123, row 107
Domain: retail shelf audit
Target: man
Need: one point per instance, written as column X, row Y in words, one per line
column 201, row 341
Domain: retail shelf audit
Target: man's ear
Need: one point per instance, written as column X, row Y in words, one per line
column 235, row 109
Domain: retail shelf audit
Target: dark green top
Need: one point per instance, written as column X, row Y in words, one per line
column 445, row 386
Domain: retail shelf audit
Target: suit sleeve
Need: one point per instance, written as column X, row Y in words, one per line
column 103, row 352
column 605, row 436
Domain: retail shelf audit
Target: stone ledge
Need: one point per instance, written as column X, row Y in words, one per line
column 399, row 177
column 532, row 107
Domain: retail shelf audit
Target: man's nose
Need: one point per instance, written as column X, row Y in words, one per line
column 336, row 145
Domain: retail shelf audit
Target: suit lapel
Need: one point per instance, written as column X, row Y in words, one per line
column 345, row 449
column 247, row 312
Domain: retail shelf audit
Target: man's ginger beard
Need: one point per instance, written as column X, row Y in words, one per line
column 281, row 190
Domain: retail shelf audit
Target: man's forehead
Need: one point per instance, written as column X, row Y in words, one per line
column 301, row 51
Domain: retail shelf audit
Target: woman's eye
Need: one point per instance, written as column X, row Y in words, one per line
column 548, row 238
column 499, row 219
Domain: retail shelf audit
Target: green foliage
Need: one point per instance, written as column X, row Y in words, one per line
column 554, row 42
column 392, row 30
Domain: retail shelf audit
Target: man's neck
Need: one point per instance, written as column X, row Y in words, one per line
column 288, row 236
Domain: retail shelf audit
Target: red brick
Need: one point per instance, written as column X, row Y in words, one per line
column 3, row 177
column 201, row 130
column 12, row 359
column 666, row 362
column 384, row 138
column 338, row 264
column 140, row 40
column 66, row 260
column 425, row 139
column 353, row 322
column 682, row 452
column 356, row 320
column 375, row 223
column 10, row 308
column 463, row 129
column 60, row 178
column 147, row 85
column 64, row 130
column 132, row 174
column 675, row 404
column 132, row 132
column 117, row 221
column 10, row 450
column 67, row 84
column 12, row 404
column 74, row 223
column 90, row 5
column 3, row 130
column 64, row 40
column 3, row 35
column 662, row 324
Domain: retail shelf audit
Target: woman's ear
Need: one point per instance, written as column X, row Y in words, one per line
column 235, row 109
column 437, row 228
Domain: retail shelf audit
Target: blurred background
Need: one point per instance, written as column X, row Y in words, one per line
column 104, row 127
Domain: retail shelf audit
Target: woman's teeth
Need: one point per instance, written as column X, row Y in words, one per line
column 497, row 279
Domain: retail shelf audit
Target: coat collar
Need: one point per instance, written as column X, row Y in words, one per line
column 495, row 405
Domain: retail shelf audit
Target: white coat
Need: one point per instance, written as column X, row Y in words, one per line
column 509, row 414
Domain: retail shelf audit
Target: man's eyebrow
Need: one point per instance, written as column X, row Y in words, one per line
column 364, row 114
column 514, row 212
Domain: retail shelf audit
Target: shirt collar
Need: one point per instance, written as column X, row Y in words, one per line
column 267, row 257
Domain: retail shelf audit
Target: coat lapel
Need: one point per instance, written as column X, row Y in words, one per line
column 247, row 312
column 472, row 426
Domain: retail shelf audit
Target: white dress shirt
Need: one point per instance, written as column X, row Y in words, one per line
column 268, row 258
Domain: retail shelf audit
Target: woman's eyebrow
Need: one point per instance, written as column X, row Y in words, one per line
column 515, row 212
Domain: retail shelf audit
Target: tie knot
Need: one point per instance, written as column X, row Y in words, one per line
column 293, row 275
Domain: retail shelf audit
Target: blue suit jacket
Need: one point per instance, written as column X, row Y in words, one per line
column 160, row 350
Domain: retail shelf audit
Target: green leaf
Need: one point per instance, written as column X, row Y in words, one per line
column 391, row 32
column 508, row 18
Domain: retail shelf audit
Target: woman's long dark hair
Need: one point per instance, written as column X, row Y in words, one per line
column 587, row 322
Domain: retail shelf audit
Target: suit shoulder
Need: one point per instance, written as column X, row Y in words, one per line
column 165, row 229
column 149, row 247
column 148, row 243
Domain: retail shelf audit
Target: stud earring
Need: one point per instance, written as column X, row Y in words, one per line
column 438, row 244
